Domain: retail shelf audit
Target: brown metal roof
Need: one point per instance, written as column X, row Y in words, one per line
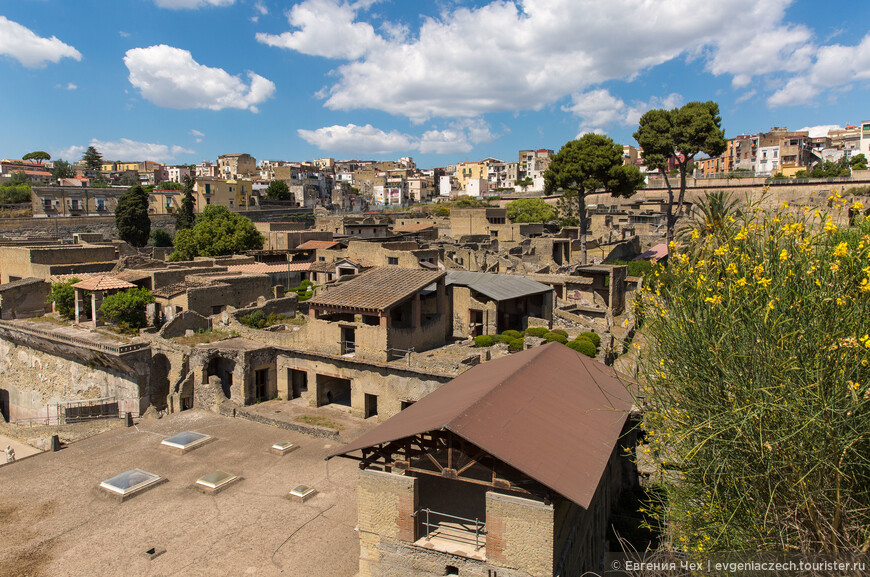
column 314, row 244
column 103, row 283
column 377, row 289
column 549, row 412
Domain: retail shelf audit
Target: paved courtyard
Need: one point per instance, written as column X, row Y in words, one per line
column 55, row 521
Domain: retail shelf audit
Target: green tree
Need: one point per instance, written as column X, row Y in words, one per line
column 93, row 161
column 62, row 169
column 15, row 194
column 18, row 177
column 127, row 308
column 858, row 162
column 524, row 183
column 38, row 156
column 590, row 164
column 131, row 216
column 679, row 135
column 530, row 210
column 63, row 296
column 217, row 232
column 756, row 377
column 128, row 179
column 185, row 217
column 278, row 190
column 161, row 238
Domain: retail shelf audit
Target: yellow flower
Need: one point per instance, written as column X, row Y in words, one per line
column 835, row 266
column 841, row 250
column 858, row 205
column 840, row 301
column 764, row 281
column 783, row 256
column 695, row 234
column 830, row 227
column 714, row 300
column 731, row 268
column 770, row 305
column 865, row 285
column 742, row 234
column 742, row 281
column 722, row 250
column 784, row 205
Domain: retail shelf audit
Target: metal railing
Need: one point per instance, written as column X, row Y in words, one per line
column 347, row 347
column 479, row 529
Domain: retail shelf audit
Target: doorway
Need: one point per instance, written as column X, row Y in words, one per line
column 261, row 385
column 298, row 382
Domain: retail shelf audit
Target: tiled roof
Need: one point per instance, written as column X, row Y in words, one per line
column 270, row 267
column 313, row 244
column 171, row 290
column 102, row 283
column 20, row 283
column 377, row 289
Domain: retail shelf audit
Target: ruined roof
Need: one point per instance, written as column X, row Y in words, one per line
column 103, row 283
column 174, row 289
column 377, row 289
column 61, row 278
column 414, row 227
column 270, row 267
column 499, row 287
column 314, row 244
column 20, row 283
column 549, row 412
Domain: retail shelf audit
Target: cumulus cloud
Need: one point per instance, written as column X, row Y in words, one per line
column 128, row 150
column 820, row 130
column 325, row 28
column 449, row 68
column 259, row 10
column 598, row 109
column 170, row 77
column 356, row 139
column 459, row 137
column 31, row 50
column 191, row 4
column 833, row 68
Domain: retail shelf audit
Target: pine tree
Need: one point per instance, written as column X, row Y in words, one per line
column 131, row 216
column 93, row 160
column 184, row 218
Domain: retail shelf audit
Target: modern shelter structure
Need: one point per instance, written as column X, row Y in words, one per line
column 511, row 469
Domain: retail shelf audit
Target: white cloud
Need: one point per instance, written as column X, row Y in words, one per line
column 191, row 4
column 834, row 67
column 128, row 150
column 356, row 139
column 170, row 77
column 260, row 10
column 820, row 130
column 325, row 28
column 123, row 34
column 539, row 51
column 71, row 154
column 197, row 134
column 598, row 109
column 459, row 137
column 68, row 86
column 31, row 50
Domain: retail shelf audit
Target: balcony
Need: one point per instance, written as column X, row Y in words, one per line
column 451, row 534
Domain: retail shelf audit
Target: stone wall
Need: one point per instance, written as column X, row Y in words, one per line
column 463, row 302
column 37, row 379
column 519, row 533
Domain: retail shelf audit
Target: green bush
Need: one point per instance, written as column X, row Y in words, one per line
column 161, row 238
column 551, row 336
column 255, row 320
column 502, row 339
column 512, row 334
column 483, row 341
column 63, row 295
column 127, row 308
column 583, row 346
column 516, row 345
column 590, row 336
column 536, row 332
column 562, row 332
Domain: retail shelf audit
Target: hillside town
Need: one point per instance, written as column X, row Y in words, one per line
column 454, row 334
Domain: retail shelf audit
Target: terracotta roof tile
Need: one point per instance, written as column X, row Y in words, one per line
column 377, row 289
column 314, row 244
column 270, row 267
column 102, row 283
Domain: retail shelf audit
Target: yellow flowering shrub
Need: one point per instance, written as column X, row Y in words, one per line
column 757, row 384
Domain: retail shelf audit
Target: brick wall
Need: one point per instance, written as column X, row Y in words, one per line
column 519, row 533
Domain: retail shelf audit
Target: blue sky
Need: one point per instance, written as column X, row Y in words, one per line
column 181, row 81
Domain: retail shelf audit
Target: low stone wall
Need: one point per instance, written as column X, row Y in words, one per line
column 183, row 322
column 230, row 409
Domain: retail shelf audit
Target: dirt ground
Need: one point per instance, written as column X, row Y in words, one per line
column 56, row 522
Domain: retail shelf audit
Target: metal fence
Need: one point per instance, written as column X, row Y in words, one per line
column 460, row 531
